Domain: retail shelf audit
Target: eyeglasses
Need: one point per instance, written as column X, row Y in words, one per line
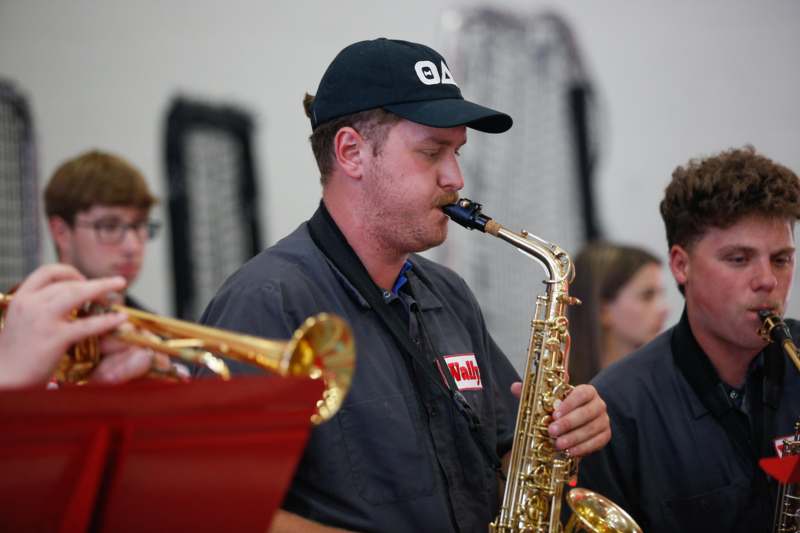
column 113, row 230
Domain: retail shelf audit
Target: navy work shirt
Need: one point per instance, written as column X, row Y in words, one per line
column 399, row 455
column 671, row 463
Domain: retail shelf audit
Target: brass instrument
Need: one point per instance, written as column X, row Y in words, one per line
column 321, row 348
column 537, row 471
column 787, row 510
column 773, row 328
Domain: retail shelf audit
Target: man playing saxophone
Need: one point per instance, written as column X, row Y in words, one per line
column 417, row 443
column 694, row 410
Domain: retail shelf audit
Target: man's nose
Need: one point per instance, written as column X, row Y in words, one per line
column 133, row 239
column 450, row 176
column 764, row 278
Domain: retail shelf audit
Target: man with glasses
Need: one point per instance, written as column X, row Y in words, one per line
column 98, row 208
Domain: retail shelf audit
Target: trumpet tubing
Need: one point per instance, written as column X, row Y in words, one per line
column 321, row 348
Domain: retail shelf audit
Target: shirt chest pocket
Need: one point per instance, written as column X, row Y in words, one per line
column 716, row 510
column 389, row 453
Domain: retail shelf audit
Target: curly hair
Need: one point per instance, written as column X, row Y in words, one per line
column 372, row 124
column 718, row 191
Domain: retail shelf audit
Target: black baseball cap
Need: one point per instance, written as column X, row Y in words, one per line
column 408, row 79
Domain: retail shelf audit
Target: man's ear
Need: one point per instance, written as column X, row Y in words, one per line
column 348, row 146
column 679, row 263
column 61, row 232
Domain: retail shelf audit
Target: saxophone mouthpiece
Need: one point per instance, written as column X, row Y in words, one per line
column 467, row 213
column 773, row 328
column 764, row 314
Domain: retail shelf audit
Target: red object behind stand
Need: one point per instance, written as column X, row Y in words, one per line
column 785, row 469
column 152, row 456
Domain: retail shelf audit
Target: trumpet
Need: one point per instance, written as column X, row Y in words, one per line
column 321, row 348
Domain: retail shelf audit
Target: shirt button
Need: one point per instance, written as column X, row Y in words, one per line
column 387, row 295
column 733, row 395
column 432, row 411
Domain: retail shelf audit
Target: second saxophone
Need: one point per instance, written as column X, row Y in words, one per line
column 537, row 471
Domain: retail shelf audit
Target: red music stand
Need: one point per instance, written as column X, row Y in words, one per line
column 205, row 455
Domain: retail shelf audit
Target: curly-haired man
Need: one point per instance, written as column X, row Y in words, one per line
column 694, row 410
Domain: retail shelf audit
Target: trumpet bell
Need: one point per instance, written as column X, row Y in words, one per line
column 323, row 348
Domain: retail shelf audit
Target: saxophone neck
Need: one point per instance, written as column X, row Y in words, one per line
column 555, row 261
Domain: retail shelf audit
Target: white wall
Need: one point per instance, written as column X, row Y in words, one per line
column 677, row 79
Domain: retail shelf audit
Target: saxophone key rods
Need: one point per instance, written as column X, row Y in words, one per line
column 787, row 505
column 537, row 472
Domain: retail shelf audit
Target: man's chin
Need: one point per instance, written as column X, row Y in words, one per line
column 130, row 274
column 438, row 239
column 427, row 244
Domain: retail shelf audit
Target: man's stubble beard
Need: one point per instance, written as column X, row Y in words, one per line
column 393, row 228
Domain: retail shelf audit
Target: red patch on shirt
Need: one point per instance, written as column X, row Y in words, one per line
column 779, row 443
column 464, row 369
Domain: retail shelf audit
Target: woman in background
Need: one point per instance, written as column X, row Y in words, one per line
column 622, row 291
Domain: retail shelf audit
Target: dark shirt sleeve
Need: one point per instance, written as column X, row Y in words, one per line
column 610, row 471
column 253, row 309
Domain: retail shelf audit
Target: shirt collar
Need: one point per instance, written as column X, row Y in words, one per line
column 402, row 279
column 424, row 296
column 699, row 372
column 417, row 288
column 423, row 289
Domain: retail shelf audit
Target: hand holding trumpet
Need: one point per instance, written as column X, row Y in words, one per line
column 39, row 328
column 42, row 337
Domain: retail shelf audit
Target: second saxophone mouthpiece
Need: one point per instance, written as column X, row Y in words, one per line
column 773, row 328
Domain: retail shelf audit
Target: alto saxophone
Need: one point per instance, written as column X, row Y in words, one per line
column 787, row 510
column 537, row 472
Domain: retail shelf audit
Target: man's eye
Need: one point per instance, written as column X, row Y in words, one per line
column 783, row 260
column 107, row 226
column 648, row 294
